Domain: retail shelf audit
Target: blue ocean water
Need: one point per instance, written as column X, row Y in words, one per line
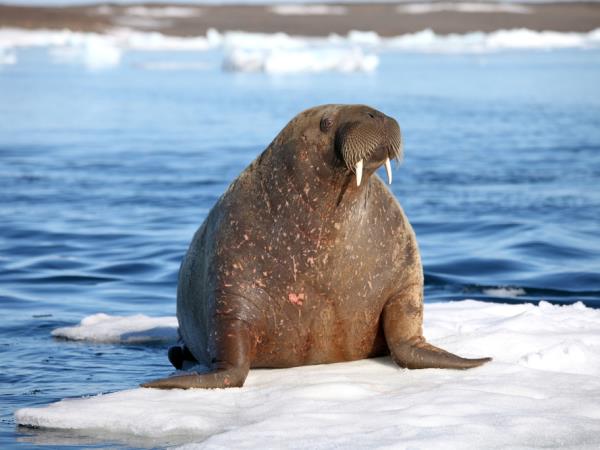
column 105, row 176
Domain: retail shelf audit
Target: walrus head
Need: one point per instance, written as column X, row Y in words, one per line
column 364, row 139
column 329, row 145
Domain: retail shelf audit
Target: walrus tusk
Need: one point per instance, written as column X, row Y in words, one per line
column 388, row 169
column 358, row 170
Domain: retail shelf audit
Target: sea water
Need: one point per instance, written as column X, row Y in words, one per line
column 106, row 174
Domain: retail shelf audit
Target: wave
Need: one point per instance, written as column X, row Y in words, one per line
column 279, row 52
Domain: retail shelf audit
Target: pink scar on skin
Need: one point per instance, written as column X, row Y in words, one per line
column 296, row 299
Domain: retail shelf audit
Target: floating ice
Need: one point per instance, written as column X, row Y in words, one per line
column 504, row 292
column 308, row 10
column 293, row 61
column 541, row 390
column 117, row 329
column 166, row 11
column 144, row 17
column 93, row 51
column 233, row 40
column 7, row 56
column 479, row 42
column 426, row 8
column 153, row 41
column 281, row 53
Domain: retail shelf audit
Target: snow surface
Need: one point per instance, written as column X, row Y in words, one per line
column 280, row 53
column 541, row 390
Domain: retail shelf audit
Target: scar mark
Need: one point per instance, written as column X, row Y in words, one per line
column 296, row 299
column 294, row 267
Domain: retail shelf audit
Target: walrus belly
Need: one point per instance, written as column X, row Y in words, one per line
column 322, row 336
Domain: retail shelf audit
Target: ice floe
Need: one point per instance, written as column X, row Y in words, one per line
column 121, row 329
column 357, row 51
column 541, row 390
column 309, row 10
column 95, row 52
column 463, row 7
column 478, row 42
column 144, row 17
column 504, row 292
column 165, row 11
column 8, row 56
column 293, row 61
column 156, row 12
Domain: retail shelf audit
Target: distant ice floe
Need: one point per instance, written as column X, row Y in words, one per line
column 156, row 12
column 478, row 42
column 166, row 11
column 118, row 329
column 8, row 56
column 93, row 51
column 541, row 390
column 144, row 17
column 294, row 61
column 309, row 10
column 504, row 292
column 279, row 53
column 463, row 7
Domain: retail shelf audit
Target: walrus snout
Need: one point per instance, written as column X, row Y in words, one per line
column 370, row 142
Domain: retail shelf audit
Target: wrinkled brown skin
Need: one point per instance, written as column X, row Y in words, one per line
column 297, row 265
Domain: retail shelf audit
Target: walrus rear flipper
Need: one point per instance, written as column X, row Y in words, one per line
column 422, row 355
column 223, row 378
column 231, row 364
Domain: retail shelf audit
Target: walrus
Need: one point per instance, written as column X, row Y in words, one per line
column 307, row 258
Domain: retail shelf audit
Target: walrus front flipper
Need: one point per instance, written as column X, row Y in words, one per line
column 223, row 378
column 418, row 354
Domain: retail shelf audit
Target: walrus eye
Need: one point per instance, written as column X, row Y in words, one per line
column 326, row 124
